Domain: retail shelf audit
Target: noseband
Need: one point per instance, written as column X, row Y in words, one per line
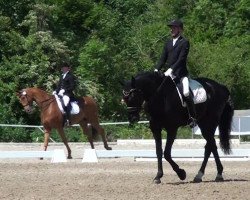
column 126, row 94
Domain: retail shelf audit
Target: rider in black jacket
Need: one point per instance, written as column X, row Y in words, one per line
column 65, row 88
column 174, row 55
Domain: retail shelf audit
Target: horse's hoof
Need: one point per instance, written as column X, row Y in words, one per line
column 69, row 157
column 219, row 178
column 108, row 148
column 181, row 174
column 157, row 181
column 41, row 158
column 197, row 180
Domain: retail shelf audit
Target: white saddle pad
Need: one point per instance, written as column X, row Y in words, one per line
column 75, row 108
column 199, row 93
column 198, row 90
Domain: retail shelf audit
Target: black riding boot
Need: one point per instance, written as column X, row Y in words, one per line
column 191, row 111
column 67, row 115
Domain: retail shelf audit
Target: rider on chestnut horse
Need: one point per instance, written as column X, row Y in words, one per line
column 64, row 90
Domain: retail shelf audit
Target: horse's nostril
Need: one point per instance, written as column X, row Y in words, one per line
column 28, row 110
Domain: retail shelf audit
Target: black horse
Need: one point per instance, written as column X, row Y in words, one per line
column 165, row 110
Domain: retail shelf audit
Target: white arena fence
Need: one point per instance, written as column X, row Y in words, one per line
column 93, row 155
column 76, row 125
column 57, row 155
column 240, row 127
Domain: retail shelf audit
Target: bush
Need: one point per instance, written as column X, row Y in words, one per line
column 9, row 134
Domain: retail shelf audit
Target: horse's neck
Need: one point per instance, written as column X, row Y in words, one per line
column 149, row 89
column 39, row 95
column 164, row 90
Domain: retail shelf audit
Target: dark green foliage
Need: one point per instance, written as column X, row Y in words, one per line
column 15, row 135
column 109, row 41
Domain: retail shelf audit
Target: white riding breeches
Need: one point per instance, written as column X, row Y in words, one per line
column 65, row 100
column 185, row 84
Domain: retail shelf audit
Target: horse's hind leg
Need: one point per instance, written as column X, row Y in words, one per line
column 101, row 131
column 219, row 176
column 198, row 177
column 210, row 147
column 86, row 131
column 65, row 141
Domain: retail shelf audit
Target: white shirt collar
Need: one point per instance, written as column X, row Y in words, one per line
column 65, row 74
column 175, row 40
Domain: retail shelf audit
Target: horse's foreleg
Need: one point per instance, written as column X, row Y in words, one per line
column 167, row 155
column 65, row 141
column 46, row 139
column 158, row 144
column 159, row 153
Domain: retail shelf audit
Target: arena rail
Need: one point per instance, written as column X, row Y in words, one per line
column 76, row 125
column 241, row 126
column 92, row 155
column 57, row 155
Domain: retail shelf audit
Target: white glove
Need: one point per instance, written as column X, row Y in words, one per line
column 168, row 72
column 156, row 70
column 61, row 92
column 54, row 92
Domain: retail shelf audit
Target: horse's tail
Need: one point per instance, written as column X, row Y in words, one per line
column 225, row 126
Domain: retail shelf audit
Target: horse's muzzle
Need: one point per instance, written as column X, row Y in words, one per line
column 133, row 115
column 133, row 118
column 28, row 109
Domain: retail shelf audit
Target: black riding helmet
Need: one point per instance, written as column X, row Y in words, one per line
column 176, row 22
column 64, row 64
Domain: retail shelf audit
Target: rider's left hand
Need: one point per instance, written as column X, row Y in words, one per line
column 61, row 92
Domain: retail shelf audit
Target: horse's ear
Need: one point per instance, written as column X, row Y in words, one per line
column 133, row 82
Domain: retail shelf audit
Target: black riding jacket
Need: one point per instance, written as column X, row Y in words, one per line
column 175, row 57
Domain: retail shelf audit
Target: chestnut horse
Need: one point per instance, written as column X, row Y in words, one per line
column 51, row 116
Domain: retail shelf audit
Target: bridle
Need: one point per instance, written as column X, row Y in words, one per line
column 132, row 91
column 29, row 103
column 24, row 94
column 126, row 95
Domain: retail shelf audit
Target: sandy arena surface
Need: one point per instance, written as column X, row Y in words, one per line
column 119, row 178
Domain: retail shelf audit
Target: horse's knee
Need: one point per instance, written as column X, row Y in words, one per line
column 211, row 146
column 167, row 156
column 46, row 139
